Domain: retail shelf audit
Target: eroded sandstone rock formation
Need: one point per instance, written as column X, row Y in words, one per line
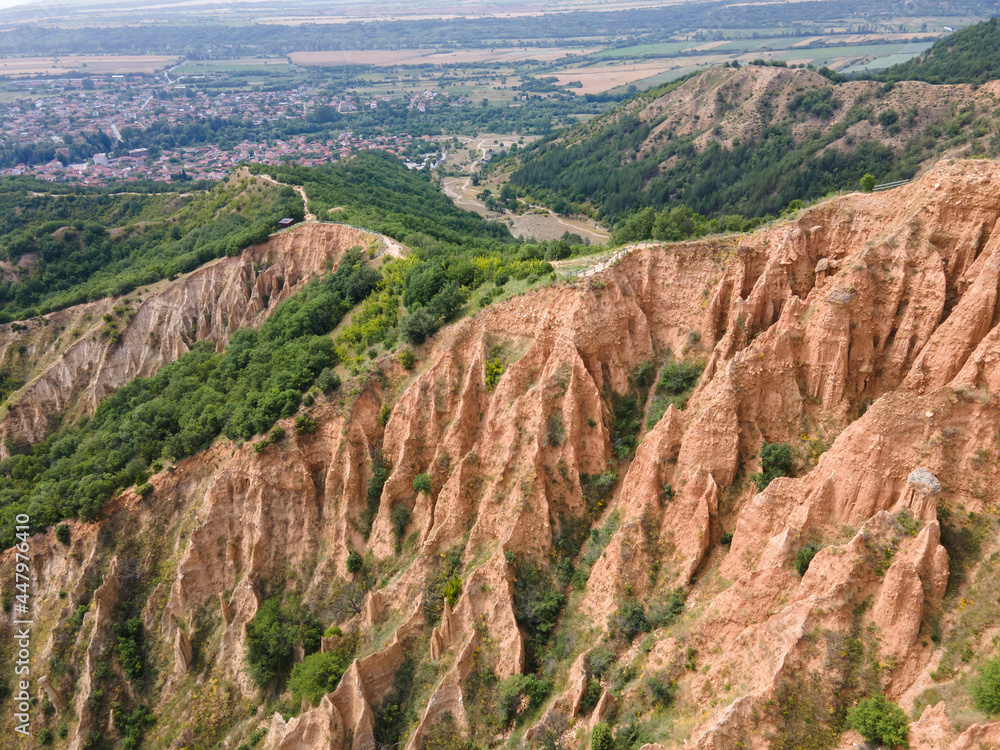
column 864, row 333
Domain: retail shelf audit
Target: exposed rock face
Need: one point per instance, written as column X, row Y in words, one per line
column 922, row 480
column 889, row 404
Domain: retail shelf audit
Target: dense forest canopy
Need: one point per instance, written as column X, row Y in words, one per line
column 258, row 379
column 753, row 178
column 75, row 256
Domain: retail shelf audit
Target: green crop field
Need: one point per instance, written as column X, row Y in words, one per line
column 638, row 50
column 242, row 65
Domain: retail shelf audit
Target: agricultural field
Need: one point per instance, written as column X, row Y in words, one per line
column 610, row 75
column 93, row 64
column 385, row 58
column 237, row 64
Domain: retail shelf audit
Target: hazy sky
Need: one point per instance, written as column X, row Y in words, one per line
column 43, row 3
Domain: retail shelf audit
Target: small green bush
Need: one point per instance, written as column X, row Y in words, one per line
column 418, row 326
column 62, row 534
column 880, row 721
column 665, row 611
column 631, row 736
column 509, row 694
column 332, row 631
column 538, row 601
column 494, row 371
column 868, row 182
column 661, row 690
column 304, row 425
column 328, row 381
column 556, row 431
column 129, row 646
column 986, row 688
column 628, row 621
column 597, row 489
column 384, row 414
column 422, row 483
column 318, row 674
column 452, row 590
column 445, row 570
column 45, row 736
column 675, row 386
column 679, row 378
column 132, row 725
column 601, row 738
column 407, row 359
column 621, row 676
column 805, row 556
column 270, row 642
column 400, row 518
column 142, row 489
column 591, row 694
column 775, row 461
column 598, row 660
column 354, row 561
column 626, row 421
column 380, row 473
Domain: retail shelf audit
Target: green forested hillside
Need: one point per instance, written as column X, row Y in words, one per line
column 738, row 144
column 79, row 246
column 753, row 179
column 454, row 252
column 970, row 55
column 376, row 191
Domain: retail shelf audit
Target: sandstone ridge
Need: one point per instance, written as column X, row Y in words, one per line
column 77, row 364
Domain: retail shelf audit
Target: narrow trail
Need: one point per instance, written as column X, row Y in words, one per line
column 603, row 265
column 310, row 217
column 392, row 247
column 600, row 265
column 456, row 195
column 599, row 237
